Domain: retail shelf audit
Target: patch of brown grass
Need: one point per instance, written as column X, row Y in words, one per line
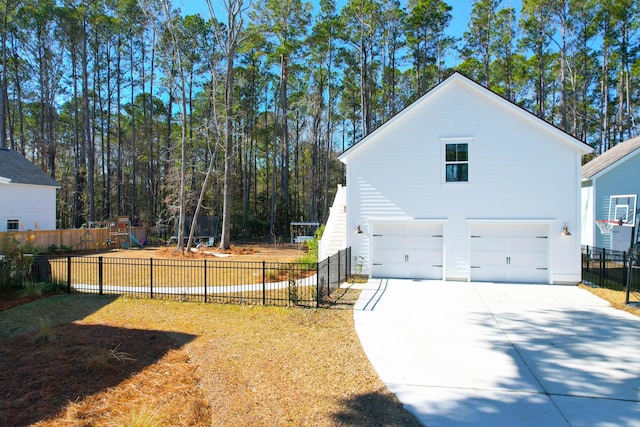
column 616, row 298
column 194, row 364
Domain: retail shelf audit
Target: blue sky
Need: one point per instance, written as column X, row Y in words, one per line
column 460, row 12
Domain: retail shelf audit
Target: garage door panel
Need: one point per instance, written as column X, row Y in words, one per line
column 488, row 273
column 485, row 243
column 424, row 271
column 407, row 250
column 509, row 252
column 529, row 243
column 426, row 256
column 391, row 270
column 494, row 230
column 432, row 243
column 531, row 259
column 529, row 275
column 387, row 255
column 489, row 257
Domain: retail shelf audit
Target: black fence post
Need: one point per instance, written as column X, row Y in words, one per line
column 151, row 278
column 69, row 273
column 328, row 276
column 205, row 281
column 264, row 286
column 348, row 255
column 339, row 275
column 624, row 266
column 628, row 278
column 601, row 268
column 318, row 296
column 100, row 290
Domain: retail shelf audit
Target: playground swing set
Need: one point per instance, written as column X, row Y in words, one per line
column 302, row 231
column 120, row 235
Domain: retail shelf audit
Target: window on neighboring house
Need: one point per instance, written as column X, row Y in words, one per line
column 13, row 225
column 457, row 162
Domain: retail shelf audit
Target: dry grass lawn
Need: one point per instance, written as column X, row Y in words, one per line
column 616, row 298
column 240, row 265
column 82, row 360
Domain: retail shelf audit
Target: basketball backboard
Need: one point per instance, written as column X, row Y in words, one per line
column 622, row 208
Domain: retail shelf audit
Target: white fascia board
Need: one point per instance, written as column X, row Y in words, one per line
column 4, row 180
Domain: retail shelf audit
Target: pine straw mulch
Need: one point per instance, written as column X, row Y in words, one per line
column 76, row 374
column 187, row 364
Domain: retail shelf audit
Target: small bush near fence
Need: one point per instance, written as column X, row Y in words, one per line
column 20, row 269
column 613, row 270
column 266, row 283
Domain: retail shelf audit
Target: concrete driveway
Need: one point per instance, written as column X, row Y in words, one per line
column 484, row 354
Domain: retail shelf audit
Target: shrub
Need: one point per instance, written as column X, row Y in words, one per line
column 19, row 269
column 312, row 247
column 13, row 266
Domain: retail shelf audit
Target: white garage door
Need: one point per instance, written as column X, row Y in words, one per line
column 509, row 253
column 409, row 250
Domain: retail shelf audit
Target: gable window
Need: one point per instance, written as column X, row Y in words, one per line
column 456, row 162
column 13, row 224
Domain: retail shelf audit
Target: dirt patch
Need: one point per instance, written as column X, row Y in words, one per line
column 249, row 252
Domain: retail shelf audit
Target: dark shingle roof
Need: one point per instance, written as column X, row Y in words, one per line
column 17, row 168
column 609, row 157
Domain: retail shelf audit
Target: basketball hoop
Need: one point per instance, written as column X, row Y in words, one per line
column 606, row 225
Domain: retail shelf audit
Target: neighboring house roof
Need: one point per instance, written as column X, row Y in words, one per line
column 458, row 78
column 19, row 170
column 610, row 157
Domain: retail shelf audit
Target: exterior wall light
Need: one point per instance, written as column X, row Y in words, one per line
column 565, row 231
column 358, row 229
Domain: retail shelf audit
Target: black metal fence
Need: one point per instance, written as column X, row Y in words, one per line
column 613, row 270
column 332, row 272
column 266, row 283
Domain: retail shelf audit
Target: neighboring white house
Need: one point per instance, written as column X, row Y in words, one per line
column 465, row 185
column 615, row 172
column 27, row 194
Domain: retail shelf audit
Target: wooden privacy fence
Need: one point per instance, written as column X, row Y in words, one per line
column 71, row 239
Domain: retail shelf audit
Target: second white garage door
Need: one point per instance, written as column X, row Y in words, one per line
column 509, row 253
column 407, row 250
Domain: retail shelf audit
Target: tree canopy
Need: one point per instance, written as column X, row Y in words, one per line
column 138, row 110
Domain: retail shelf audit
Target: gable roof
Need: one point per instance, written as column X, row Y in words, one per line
column 469, row 84
column 17, row 169
column 610, row 157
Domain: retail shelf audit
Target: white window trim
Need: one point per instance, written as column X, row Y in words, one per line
column 443, row 158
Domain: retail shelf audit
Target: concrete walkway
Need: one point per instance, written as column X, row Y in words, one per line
column 483, row 354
